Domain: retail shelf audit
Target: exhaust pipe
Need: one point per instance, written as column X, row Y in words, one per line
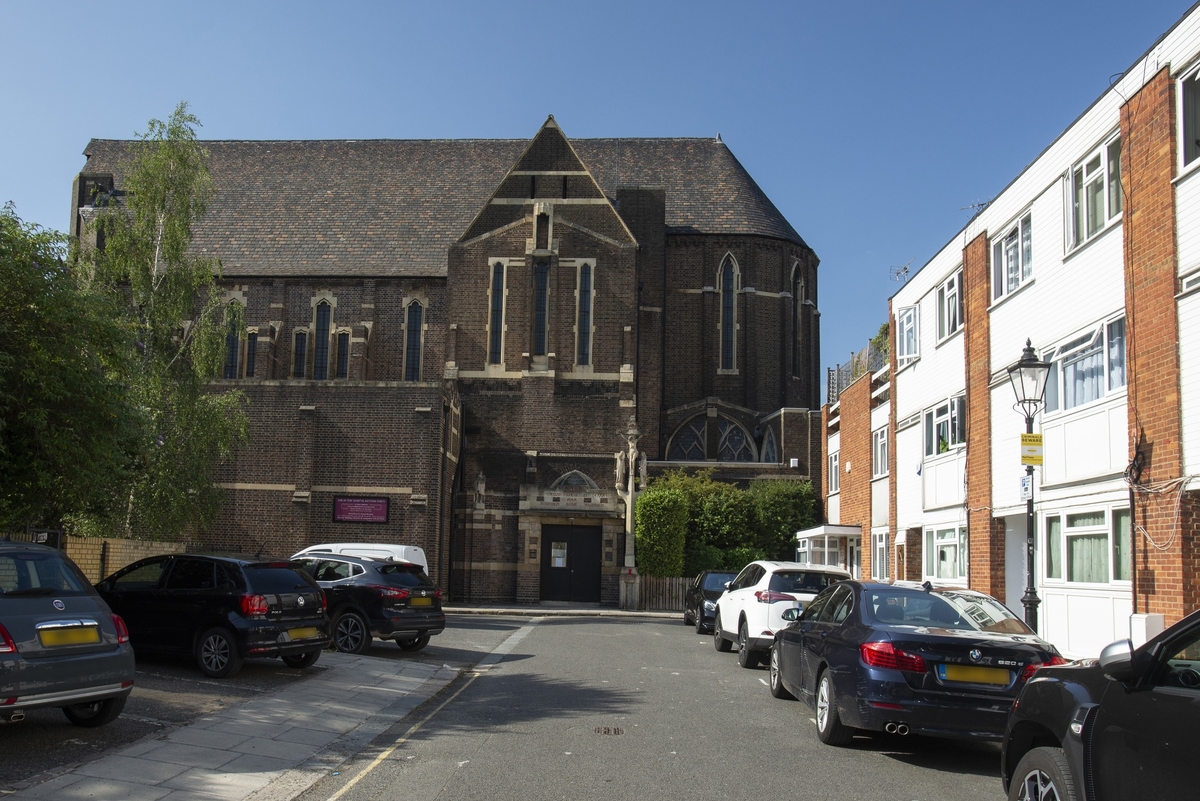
column 889, row 727
column 15, row 717
column 902, row 729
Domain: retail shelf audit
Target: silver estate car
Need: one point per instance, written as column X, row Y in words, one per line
column 60, row 645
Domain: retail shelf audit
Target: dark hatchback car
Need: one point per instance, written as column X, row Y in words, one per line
column 1125, row 726
column 391, row 600
column 60, row 644
column 906, row 659
column 220, row 610
column 700, row 601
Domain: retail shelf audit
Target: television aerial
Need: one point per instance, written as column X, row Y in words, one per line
column 901, row 273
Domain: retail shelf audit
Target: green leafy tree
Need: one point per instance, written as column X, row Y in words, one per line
column 68, row 425
column 180, row 321
column 781, row 508
column 660, row 520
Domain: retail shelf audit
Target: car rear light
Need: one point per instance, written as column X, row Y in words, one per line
column 394, row 593
column 437, row 594
column 770, row 596
column 122, row 631
column 8, row 701
column 1033, row 667
column 125, row 684
column 324, row 601
column 7, row 646
column 885, row 655
column 254, row 605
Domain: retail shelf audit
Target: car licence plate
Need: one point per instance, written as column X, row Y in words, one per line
column 974, row 675
column 421, row 602
column 74, row 636
column 306, row 633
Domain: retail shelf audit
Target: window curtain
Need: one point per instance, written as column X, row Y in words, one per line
column 1054, row 548
column 1122, row 545
column 1087, row 557
column 1083, row 376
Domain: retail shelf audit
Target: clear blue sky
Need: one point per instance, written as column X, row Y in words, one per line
column 869, row 124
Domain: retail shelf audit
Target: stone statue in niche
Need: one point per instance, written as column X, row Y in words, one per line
column 480, row 486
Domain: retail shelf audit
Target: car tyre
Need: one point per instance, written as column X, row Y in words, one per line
column 413, row 643
column 747, row 657
column 306, row 659
column 719, row 642
column 687, row 621
column 1042, row 775
column 350, row 633
column 830, row 729
column 95, row 713
column 217, row 654
column 776, row 682
column 700, row 627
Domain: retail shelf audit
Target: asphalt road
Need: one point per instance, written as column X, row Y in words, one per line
column 633, row 709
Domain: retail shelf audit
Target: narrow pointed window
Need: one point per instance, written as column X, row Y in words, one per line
column 343, row 355
column 583, row 337
column 300, row 354
column 496, row 319
column 412, row 342
column 233, row 344
column 321, row 346
column 251, row 353
column 541, row 306
column 728, row 315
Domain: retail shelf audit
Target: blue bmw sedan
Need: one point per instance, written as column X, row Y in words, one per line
column 906, row 658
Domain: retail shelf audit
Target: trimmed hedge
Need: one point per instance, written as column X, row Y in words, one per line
column 661, row 519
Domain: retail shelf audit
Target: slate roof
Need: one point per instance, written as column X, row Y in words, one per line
column 390, row 207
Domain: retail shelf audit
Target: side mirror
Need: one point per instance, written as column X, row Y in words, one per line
column 791, row 614
column 1117, row 660
column 727, row 584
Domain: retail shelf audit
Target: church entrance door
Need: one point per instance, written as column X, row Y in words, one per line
column 571, row 564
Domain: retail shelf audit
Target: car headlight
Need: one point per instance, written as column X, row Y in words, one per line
column 709, row 606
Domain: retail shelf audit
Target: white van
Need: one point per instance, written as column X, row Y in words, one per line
column 371, row 550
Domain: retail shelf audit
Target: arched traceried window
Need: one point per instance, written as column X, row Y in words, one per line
column 412, row 342
column 583, row 337
column 574, row 481
column 541, row 306
column 233, row 342
column 770, row 454
column 688, row 444
column 728, row 312
column 321, row 345
column 734, row 444
column 496, row 315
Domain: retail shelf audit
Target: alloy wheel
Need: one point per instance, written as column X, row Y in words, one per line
column 214, row 652
column 823, row 704
column 1039, row 786
column 349, row 635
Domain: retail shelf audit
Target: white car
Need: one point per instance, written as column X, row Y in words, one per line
column 380, row 551
column 751, row 609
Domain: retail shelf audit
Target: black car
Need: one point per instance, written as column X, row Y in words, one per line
column 60, row 644
column 906, row 658
column 390, row 599
column 699, row 602
column 1125, row 726
column 220, row 610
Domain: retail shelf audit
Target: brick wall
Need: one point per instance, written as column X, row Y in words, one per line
column 855, row 454
column 100, row 558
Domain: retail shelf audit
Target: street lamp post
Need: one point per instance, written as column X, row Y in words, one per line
column 1028, row 377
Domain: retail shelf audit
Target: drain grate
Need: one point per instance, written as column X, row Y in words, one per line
column 609, row 730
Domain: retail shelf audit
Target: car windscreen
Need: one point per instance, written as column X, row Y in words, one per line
column 945, row 609
column 806, row 581
column 40, row 574
column 275, row 580
column 404, row 575
column 717, row 581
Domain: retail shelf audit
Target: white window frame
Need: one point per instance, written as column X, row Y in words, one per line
column 950, row 306
column 1108, row 339
column 908, row 336
column 1012, row 258
column 1082, row 225
column 835, row 475
column 953, row 413
column 879, row 557
column 879, row 453
column 1188, row 114
column 1058, row 546
column 948, row 536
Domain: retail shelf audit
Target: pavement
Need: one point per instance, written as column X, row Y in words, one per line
column 274, row 747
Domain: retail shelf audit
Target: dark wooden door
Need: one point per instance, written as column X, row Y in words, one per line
column 571, row 563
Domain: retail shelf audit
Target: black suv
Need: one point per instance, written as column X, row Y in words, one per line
column 220, row 609
column 1124, row 726
column 391, row 599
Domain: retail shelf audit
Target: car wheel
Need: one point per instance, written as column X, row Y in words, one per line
column 719, row 642
column 350, row 634
column 699, row 622
column 830, row 729
column 1042, row 775
column 777, row 688
column 96, row 713
column 413, row 643
column 747, row 658
column 687, row 621
column 217, row 654
column 306, row 659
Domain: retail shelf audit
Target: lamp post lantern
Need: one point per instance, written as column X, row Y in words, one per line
column 1028, row 377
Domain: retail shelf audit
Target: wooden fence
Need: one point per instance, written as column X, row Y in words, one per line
column 662, row 594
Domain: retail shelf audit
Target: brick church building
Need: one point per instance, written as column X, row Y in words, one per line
column 449, row 343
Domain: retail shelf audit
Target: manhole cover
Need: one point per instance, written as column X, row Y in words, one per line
column 609, row 730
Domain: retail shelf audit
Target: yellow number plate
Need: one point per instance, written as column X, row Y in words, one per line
column 421, row 602
column 304, row 634
column 975, row 675
column 75, row 636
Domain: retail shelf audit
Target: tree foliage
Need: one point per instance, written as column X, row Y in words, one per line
column 660, row 519
column 177, row 312
column 68, row 423
column 781, row 508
